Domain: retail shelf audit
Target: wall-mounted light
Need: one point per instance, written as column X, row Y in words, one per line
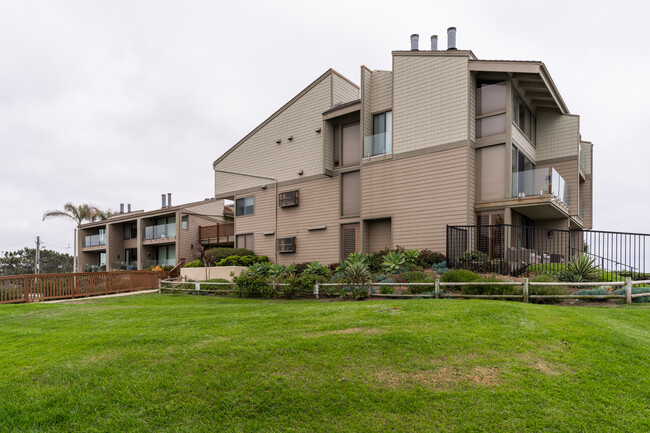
column 191, row 246
column 278, row 141
column 318, row 130
column 290, row 138
column 118, row 257
column 300, row 172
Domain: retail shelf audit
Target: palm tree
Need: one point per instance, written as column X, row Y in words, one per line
column 78, row 214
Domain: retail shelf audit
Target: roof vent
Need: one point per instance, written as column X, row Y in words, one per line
column 128, row 207
column 451, row 38
column 169, row 199
column 121, row 207
column 414, row 41
column 164, row 200
column 434, row 43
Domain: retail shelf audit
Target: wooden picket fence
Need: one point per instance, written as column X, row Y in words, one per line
column 43, row 287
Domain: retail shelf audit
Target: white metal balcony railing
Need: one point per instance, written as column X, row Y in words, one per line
column 161, row 231
column 541, row 181
column 94, row 241
column 378, row 144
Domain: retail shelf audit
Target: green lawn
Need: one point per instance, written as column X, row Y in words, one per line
column 174, row 363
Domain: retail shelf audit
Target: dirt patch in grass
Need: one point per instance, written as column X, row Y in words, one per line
column 443, row 377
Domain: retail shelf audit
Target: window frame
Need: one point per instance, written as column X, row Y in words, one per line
column 244, row 236
column 387, row 138
column 337, row 144
column 244, row 207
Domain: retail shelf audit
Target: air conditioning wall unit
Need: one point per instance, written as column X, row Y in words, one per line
column 287, row 245
column 288, row 198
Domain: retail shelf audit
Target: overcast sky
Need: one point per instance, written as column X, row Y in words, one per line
column 109, row 102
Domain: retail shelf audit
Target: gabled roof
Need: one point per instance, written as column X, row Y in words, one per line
column 533, row 78
column 282, row 109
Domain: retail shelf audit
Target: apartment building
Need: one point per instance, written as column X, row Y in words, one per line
column 444, row 138
column 166, row 236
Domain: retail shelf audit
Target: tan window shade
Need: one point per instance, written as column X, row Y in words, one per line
column 351, row 193
column 351, row 146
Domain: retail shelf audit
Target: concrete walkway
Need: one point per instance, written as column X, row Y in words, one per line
column 114, row 295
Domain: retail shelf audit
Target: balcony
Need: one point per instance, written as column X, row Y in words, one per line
column 160, row 233
column 125, row 266
column 218, row 234
column 94, row 241
column 538, row 194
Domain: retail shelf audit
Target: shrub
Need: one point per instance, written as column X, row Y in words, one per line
column 237, row 261
column 491, row 289
column 376, row 259
column 358, row 258
column 545, row 290
column 440, row 267
column 599, row 291
column 302, row 285
column 194, row 264
column 428, row 258
column 253, row 285
column 394, row 262
column 260, row 268
column 215, row 255
column 460, row 276
column 636, row 291
column 473, row 256
column 413, row 276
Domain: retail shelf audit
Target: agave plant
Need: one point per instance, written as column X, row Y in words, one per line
column 315, row 268
column 258, row 269
column 358, row 276
column 276, row 271
column 394, row 262
column 357, row 257
column 581, row 268
column 411, row 257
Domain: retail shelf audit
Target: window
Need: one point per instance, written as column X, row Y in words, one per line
column 523, row 117
column 349, row 239
column 131, row 258
column 287, row 245
column 381, row 141
column 166, row 255
column 490, row 108
column 245, row 206
column 130, row 230
column 185, row 221
column 347, row 144
column 244, row 241
column 288, row 199
column 351, row 193
column 523, row 174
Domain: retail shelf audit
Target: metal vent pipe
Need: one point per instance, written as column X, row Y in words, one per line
column 164, row 199
column 169, row 199
column 434, row 43
column 414, row 41
column 451, row 38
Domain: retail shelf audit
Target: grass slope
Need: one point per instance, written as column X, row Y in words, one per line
column 170, row 363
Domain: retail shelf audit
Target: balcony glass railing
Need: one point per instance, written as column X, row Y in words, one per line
column 162, row 262
column 581, row 209
column 378, row 144
column 583, row 159
column 94, row 268
column 125, row 266
column 161, row 231
column 94, row 241
column 540, row 181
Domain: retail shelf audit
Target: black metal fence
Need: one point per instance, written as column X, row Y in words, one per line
column 514, row 250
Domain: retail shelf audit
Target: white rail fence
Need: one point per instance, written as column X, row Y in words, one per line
column 525, row 296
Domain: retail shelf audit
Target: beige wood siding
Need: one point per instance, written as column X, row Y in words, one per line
column 422, row 194
column 586, row 195
column 557, row 135
column 430, row 101
column 342, row 90
column 471, row 183
column 319, row 207
column 382, row 91
column 190, row 237
column 115, row 244
column 261, row 155
column 377, row 235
